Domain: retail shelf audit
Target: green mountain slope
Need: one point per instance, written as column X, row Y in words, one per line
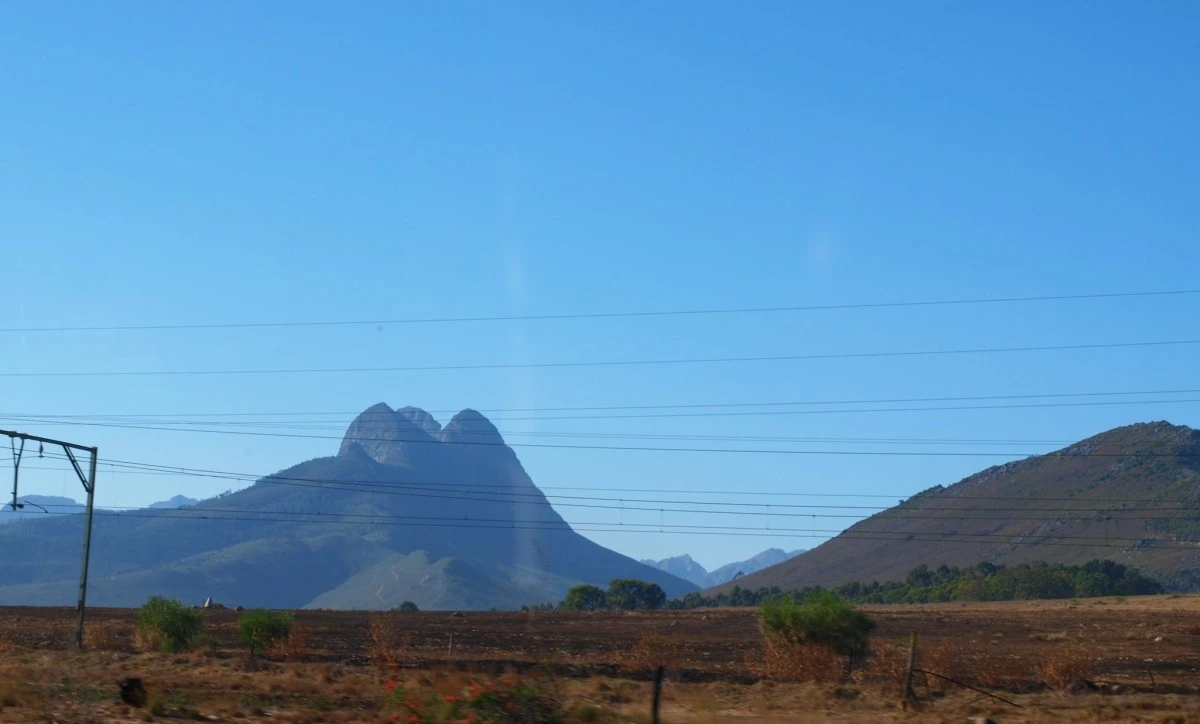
column 405, row 502
column 1131, row 494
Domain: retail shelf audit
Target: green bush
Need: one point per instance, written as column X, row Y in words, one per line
column 823, row 619
column 168, row 624
column 406, row 607
column 585, row 597
column 630, row 594
column 259, row 628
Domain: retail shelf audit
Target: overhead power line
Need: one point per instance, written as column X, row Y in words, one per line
column 526, row 496
column 924, row 536
column 610, row 408
column 646, row 448
column 324, row 516
column 603, row 315
column 368, row 428
column 610, row 363
column 149, row 469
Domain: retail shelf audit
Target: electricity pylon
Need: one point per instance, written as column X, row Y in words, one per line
column 89, row 485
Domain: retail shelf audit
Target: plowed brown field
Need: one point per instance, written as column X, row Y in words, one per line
column 1125, row 660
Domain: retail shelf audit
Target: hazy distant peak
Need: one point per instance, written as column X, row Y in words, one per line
column 420, row 418
column 174, row 502
column 471, row 426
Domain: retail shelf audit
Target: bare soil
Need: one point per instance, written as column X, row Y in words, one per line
column 1110, row 659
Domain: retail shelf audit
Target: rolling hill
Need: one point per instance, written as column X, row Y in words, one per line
column 407, row 510
column 1131, row 494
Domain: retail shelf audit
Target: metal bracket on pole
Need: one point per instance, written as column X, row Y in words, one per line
column 89, row 485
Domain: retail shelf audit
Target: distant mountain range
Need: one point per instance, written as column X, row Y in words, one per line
column 1131, row 494
column 36, row 506
column 445, row 517
column 688, row 569
column 179, row 501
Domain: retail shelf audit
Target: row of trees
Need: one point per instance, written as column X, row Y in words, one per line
column 982, row 582
column 622, row 594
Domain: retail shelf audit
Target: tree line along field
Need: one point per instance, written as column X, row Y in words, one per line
column 1108, row 659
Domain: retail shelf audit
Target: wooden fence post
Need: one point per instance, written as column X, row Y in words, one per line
column 658, row 679
column 909, row 694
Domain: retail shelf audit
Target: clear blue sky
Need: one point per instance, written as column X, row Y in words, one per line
column 230, row 161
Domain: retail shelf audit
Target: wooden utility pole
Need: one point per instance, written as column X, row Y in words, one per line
column 658, row 679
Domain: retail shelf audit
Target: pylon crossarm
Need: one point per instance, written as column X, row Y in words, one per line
column 78, row 470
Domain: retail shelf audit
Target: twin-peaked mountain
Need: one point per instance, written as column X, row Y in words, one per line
column 445, row 517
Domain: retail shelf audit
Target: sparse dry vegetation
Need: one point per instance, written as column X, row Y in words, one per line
column 720, row 666
column 1066, row 668
column 105, row 635
column 782, row 659
column 385, row 650
column 293, row 646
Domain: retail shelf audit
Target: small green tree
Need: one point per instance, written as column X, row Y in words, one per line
column 406, row 607
column 259, row 628
column 824, row 619
column 585, row 597
column 630, row 594
column 167, row 625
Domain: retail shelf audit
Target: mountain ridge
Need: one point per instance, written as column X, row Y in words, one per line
column 1100, row 492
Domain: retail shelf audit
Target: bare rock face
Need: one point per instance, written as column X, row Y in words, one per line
column 421, row 419
column 401, row 437
column 387, row 436
column 470, row 426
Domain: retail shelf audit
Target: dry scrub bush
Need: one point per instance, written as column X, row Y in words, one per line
column 293, row 646
column 1065, row 668
column 783, row 659
column 382, row 632
column 652, row 651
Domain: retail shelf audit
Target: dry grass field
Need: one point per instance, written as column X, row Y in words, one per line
column 1080, row 660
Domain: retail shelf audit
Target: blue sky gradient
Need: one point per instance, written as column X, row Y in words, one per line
column 229, row 162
